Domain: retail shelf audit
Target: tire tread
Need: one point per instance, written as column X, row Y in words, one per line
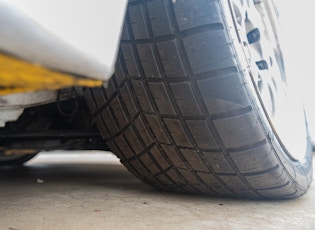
column 173, row 113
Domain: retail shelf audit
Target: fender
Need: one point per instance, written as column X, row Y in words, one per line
column 73, row 36
column 54, row 44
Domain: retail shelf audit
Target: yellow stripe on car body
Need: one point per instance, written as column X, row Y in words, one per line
column 17, row 76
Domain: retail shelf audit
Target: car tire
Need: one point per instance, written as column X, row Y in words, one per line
column 188, row 108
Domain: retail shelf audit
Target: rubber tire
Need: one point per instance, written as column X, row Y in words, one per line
column 181, row 113
column 17, row 161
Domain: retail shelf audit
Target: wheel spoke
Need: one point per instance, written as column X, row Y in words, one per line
column 264, row 54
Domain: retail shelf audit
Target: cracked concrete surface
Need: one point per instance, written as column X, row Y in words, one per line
column 93, row 191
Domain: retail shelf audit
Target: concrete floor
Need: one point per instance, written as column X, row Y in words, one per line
column 93, row 191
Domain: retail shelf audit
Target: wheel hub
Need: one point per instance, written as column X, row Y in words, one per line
column 257, row 24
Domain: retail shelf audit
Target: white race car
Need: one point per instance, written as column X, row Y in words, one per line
column 191, row 95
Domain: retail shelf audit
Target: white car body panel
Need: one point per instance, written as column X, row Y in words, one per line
column 74, row 36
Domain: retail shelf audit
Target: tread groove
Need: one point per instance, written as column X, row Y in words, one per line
column 211, row 125
column 190, row 73
column 171, row 98
column 153, row 104
column 262, row 172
